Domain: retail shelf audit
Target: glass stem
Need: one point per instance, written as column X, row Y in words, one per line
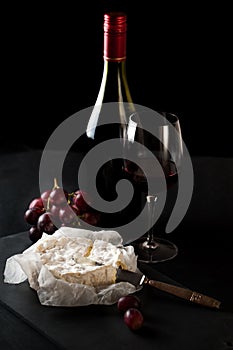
column 151, row 203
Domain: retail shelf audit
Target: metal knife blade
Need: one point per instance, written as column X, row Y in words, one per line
column 135, row 278
column 138, row 279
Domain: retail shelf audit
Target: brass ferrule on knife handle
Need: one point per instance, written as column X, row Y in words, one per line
column 184, row 293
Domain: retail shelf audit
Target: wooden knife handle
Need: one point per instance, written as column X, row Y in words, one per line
column 185, row 293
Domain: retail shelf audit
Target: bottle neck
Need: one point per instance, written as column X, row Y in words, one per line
column 114, row 46
column 114, row 84
column 117, row 69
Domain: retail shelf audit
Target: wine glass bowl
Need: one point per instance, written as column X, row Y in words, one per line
column 171, row 145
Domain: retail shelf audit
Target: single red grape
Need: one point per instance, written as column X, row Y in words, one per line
column 133, row 318
column 75, row 209
column 82, row 204
column 35, row 234
column 128, row 302
column 37, row 202
column 46, row 224
column 55, row 210
column 58, row 196
column 45, row 196
column 32, row 215
column 67, row 215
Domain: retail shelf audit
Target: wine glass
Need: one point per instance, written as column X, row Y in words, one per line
column 168, row 150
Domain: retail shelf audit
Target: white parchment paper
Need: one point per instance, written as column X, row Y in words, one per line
column 57, row 292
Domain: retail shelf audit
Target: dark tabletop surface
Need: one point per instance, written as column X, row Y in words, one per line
column 204, row 263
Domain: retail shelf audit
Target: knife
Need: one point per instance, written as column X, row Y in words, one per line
column 139, row 279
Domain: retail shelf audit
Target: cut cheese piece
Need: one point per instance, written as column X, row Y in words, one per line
column 105, row 253
column 80, row 260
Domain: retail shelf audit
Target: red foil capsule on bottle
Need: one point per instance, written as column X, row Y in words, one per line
column 115, row 36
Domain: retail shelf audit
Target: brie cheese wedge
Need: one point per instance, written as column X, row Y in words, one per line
column 81, row 260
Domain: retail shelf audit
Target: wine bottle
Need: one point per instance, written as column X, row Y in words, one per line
column 114, row 86
column 109, row 121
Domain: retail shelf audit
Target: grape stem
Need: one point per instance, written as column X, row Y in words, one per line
column 48, row 202
column 55, row 184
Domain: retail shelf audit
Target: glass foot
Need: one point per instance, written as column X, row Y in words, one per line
column 160, row 250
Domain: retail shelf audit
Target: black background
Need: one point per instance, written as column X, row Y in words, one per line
column 177, row 61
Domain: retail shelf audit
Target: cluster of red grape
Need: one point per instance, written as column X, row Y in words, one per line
column 59, row 206
column 130, row 306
